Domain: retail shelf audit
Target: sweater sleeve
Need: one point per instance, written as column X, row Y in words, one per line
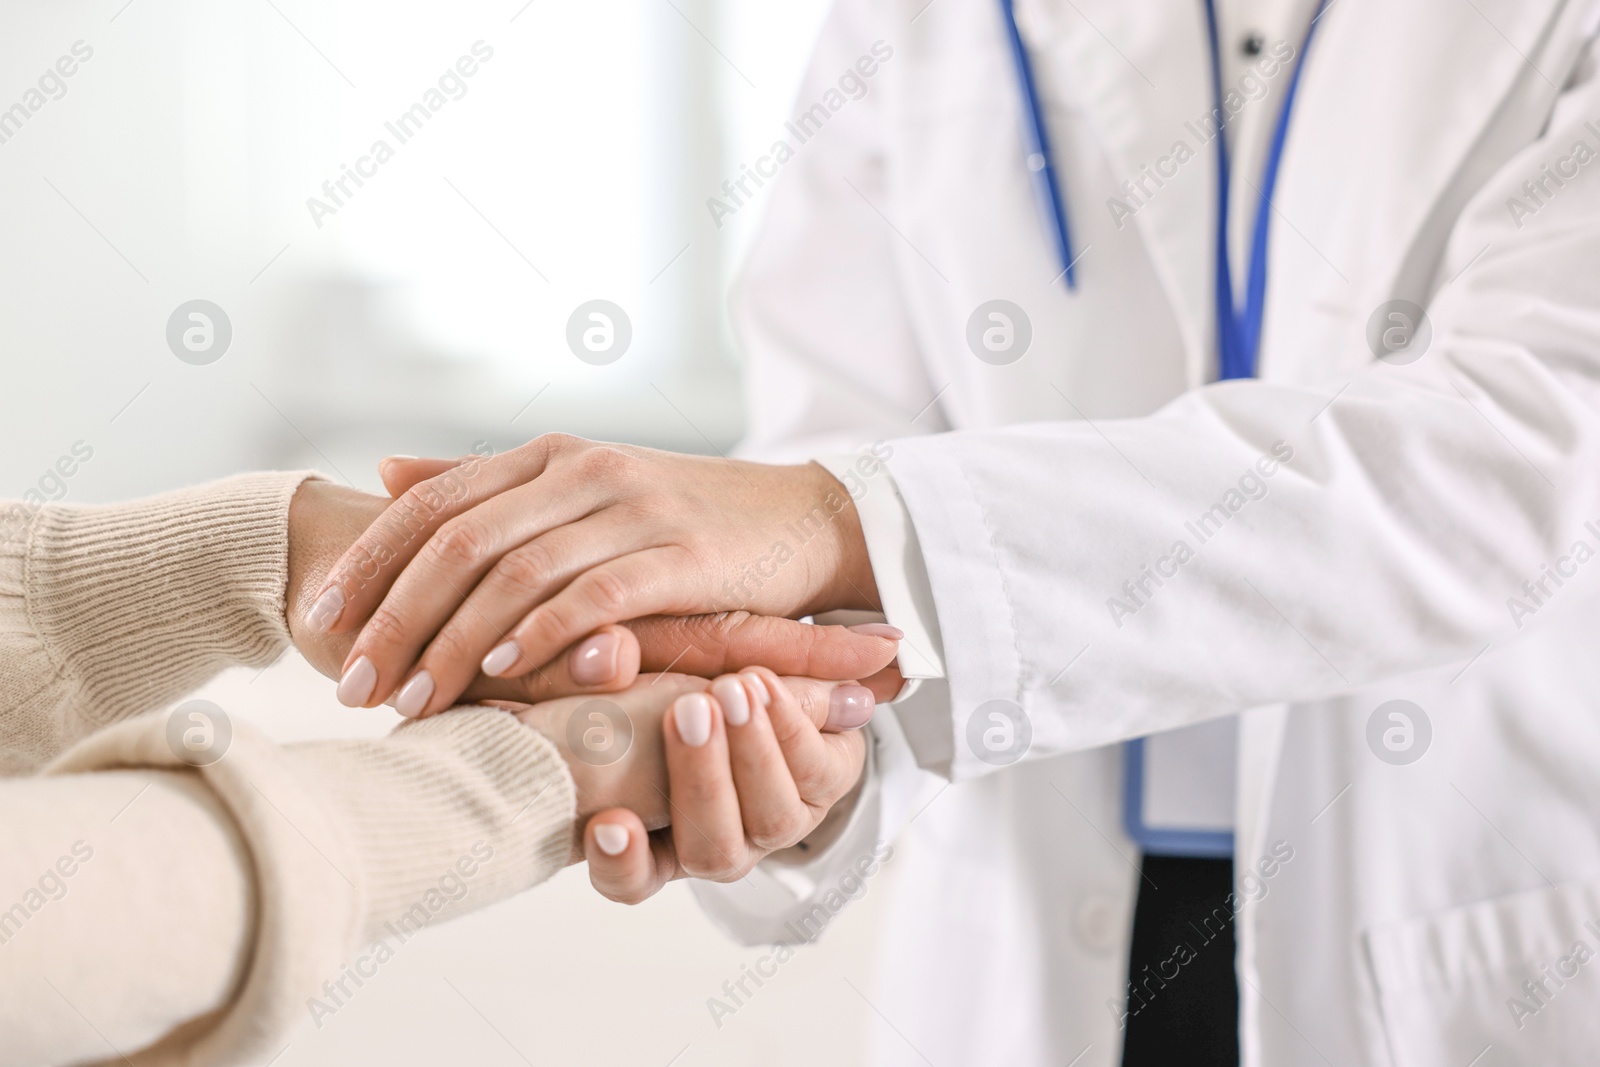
column 109, row 611
column 164, row 915
column 158, row 912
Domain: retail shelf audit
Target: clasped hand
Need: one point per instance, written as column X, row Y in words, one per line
column 542, row 578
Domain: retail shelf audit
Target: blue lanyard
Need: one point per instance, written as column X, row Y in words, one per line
column 1239, row 328
column 1041, row 168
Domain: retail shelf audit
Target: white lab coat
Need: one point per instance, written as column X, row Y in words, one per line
column 1385, row 561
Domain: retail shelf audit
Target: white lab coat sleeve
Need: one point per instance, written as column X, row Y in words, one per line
column 1253, row 542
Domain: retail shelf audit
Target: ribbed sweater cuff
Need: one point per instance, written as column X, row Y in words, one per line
column 447, row 814
column 142, row 601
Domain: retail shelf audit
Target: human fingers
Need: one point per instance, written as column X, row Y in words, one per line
column 361, row 577
column 775, row 809
column 662, row 580
column 770, row 805
column 626, row 864
column 720, row 516
column 581, row 669
column 441, row 618
column 817, row 726
column 707, row 832
column 885, row 684
column 709, row 645
column 400, row 473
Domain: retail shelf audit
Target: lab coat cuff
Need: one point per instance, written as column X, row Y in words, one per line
column 958, row 561
column 896, row 557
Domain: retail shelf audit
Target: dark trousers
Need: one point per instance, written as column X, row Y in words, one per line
column 1183, row 1004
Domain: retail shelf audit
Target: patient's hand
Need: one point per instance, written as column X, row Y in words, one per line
column 324, row 520
column 723, row 772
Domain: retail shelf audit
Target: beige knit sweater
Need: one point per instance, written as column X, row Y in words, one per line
column 158, row 913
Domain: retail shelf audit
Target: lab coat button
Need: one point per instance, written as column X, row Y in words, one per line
column 1098, row 924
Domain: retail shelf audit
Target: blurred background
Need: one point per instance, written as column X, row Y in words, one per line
column 420, row 311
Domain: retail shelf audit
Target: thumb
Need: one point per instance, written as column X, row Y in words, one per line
column 886, row 684
column 400, row 473
column 820, row 705
column 559, row 677
column 709, row 645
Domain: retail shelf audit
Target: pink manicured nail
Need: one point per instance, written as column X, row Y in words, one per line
column 692, row 713
column 878, row 629
column 595, row 660
column 758, row 687
column 850, row 708
column 355, row 687
column 414, row 695
column 731, row 695
column 326, row 611
column 498, row 661
column 611, row 838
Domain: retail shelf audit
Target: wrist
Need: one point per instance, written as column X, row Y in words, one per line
column 324, row 520
column 612, row 748
column 540, row 719
column 848, row 582
column 472, row 784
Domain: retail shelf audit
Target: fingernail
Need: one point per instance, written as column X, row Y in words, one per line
column 398, row 459
column 325, row 612
column 415, row 694
column 500, row 659
column 595, row 660
column 850, row 707
column 355, row 687
column 759, row 688
column 611, row 838
column 692, row 713
column 735, row 704
column 879, row 629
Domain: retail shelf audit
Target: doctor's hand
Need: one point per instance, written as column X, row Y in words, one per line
column 754, row 764
column 326, row 519
column 500, row 563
